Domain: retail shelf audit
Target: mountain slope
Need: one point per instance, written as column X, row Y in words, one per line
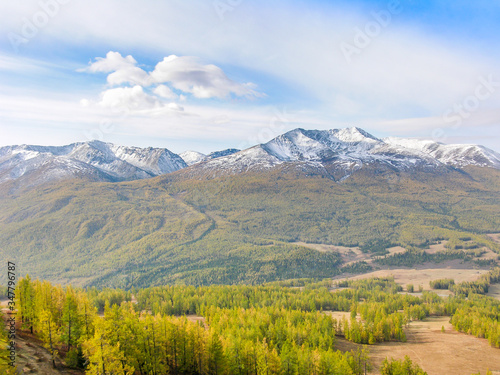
column 236, row 228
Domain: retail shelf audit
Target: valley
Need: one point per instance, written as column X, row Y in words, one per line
column 417, row 325
column 256, row 259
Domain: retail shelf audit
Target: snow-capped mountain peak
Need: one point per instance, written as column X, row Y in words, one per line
column 343, row 151
column 337, row 153
column 354, row 135
column 192, row 157
column 457, row 155
column 94, row 159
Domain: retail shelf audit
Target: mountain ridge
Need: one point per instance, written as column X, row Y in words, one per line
column 338, row 153
column 334, row 153
column 94, row 159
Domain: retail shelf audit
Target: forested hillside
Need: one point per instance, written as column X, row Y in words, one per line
column 236, row 229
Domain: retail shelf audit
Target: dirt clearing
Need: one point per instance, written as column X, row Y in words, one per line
column 448, row 353
column 424, row 276
column 494, row 291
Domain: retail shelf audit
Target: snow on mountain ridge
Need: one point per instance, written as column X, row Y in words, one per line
column 349, row 149
column 353, row 135
column 336, row 152
column 103, row 161
column 459, row 155
column 192, row 157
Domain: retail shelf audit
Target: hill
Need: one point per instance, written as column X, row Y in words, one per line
column 237, row 228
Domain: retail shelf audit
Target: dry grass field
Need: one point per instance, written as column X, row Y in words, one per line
column 494, row 291
column 349, row 255
column 448, row 353
column 422, row 276
column 495, row 237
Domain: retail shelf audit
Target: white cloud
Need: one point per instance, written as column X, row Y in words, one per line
column 405, row 66
column 122, row 69
column 165, row 92
column 184, row 73
column 187, row 74
column 135, row 101
column 175, row 107
column 113, row 62
column 130, row 98
column 132, row 75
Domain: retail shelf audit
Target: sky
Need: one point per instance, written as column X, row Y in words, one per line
column 207, row 75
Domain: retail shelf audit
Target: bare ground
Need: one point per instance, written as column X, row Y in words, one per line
column 340, row 315
column 436, row 248
column 349, row 254
column 494, row 291
column 198, row 320
column 32, row 357
column 448, row 353
column 352, row 255
column 422, row 276
column 495, row 237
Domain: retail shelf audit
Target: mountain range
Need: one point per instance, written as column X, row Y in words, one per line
column 94, row 213
column 336, row 153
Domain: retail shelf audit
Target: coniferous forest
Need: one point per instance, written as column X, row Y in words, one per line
column 276, row 328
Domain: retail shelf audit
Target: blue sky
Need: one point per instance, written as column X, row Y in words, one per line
column 208, row 75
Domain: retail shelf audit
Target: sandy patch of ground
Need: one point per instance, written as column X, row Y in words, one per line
column 494, row 236
column 33, row 358
column 396, row 250
column 329, row 248
column 349, row 255
column 340, row 315
column 494, row 291
column 352, row 255
column 422, row 276
column 437, row 353
column 488, row 254
column 433, row 249
column 196, row 319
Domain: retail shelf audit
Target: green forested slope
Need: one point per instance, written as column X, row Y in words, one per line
column 238, row 228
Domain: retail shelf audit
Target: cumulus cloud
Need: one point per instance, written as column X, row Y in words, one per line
column 122, row 70
column 131, row 98
column 132, row 75
column 165, row 92
column 134, row 100
column 187, row 74
column 112, row 62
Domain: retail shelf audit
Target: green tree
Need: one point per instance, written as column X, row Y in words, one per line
column 397, row 367
column 49, row 334
column 215, row 354
column 104, row 357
